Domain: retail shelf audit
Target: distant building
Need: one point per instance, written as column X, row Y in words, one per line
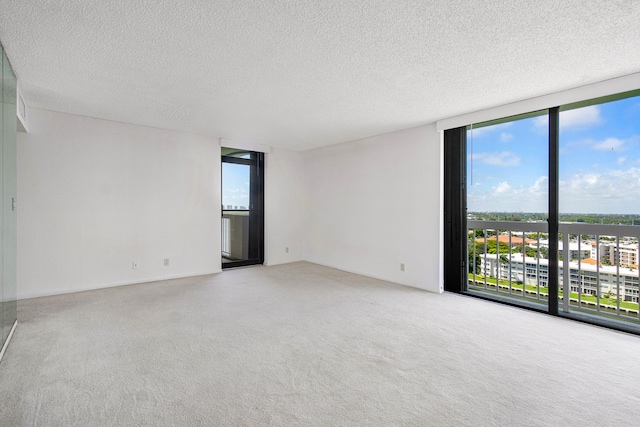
column 576, row 251
column 583, row 276
column 626, row 255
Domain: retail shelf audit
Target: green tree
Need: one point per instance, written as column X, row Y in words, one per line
column 473, row 261
column 528, row 251
column 494, row 247
column 544, row 252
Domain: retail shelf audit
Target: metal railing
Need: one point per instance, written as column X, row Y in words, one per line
column 491, row 270
column 598, row 265
column 226, row 236
column 229, row 232
column 609, row 287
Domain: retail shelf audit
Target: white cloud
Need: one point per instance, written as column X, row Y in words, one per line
column 506, row 137
column 609, row 144
column 509, row 198
column 582, row 117
column 616, row 191
column 480, row 132
column 498, row 158
column 541, row 121
column 621, row 160
column 501, row 188
column 541, row 186
column 579, row 117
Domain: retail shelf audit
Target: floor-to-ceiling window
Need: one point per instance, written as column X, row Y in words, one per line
column 242, row 208
column 549, row 208
column 599, row 207
column 507, row 205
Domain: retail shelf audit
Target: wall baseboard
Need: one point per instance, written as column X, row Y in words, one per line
column 116, row 284
column 6, row 343
column 372, row 276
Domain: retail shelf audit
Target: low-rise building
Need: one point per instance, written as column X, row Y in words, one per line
column 625, row 255
column 584, row 276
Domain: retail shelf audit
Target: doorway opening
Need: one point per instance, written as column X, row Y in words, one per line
column 242, row 208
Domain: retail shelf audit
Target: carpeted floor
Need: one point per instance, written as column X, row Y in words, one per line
column 302, row 344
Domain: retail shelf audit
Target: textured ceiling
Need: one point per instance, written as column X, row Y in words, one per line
column 302, row 74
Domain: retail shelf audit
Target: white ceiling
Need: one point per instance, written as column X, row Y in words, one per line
column 302, row 74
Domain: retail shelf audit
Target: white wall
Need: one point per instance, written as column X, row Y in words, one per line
column 95, row 195
column 285, row 206
column 376, row 203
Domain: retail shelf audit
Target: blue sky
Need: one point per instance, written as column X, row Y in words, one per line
column 235, row 185
column 599, row 162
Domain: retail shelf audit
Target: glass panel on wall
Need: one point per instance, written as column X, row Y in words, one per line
column 507, row 200
column 3, row 321
column 7, row 198
column 600, row 207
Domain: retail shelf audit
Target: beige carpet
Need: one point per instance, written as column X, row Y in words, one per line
column 301, row 344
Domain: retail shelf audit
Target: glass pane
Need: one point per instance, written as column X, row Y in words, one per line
column 600, row 161
column 235, row 211
column 599, row 205
column 507, row 168
column 507, row 181
column 235, row 186
column 8, row 193
column 3, row 322
column 235, row 152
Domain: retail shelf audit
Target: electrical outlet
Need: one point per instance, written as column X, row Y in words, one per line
column 135, row 265
column 166, row 262
column 402, row 266
column 286, row 249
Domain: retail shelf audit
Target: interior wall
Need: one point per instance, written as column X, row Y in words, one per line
column 375, row 204
column 94, row 196
column 285, row 206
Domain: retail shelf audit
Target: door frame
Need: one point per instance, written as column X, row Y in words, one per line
column 256, row 208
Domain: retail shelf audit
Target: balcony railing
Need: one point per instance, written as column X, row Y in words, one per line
column 226, row 236
column 235, row 234
column 598, row 267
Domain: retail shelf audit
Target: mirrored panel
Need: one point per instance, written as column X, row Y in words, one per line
column 8, row 200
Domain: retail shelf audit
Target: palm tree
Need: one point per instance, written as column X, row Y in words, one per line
column 502, row 260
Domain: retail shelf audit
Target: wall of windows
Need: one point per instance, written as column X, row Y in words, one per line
column 549, row 209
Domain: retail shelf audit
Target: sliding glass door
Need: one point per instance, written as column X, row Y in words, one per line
column 507, row 205
column 599, row 193
column 542, row 210
column 242, row 208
